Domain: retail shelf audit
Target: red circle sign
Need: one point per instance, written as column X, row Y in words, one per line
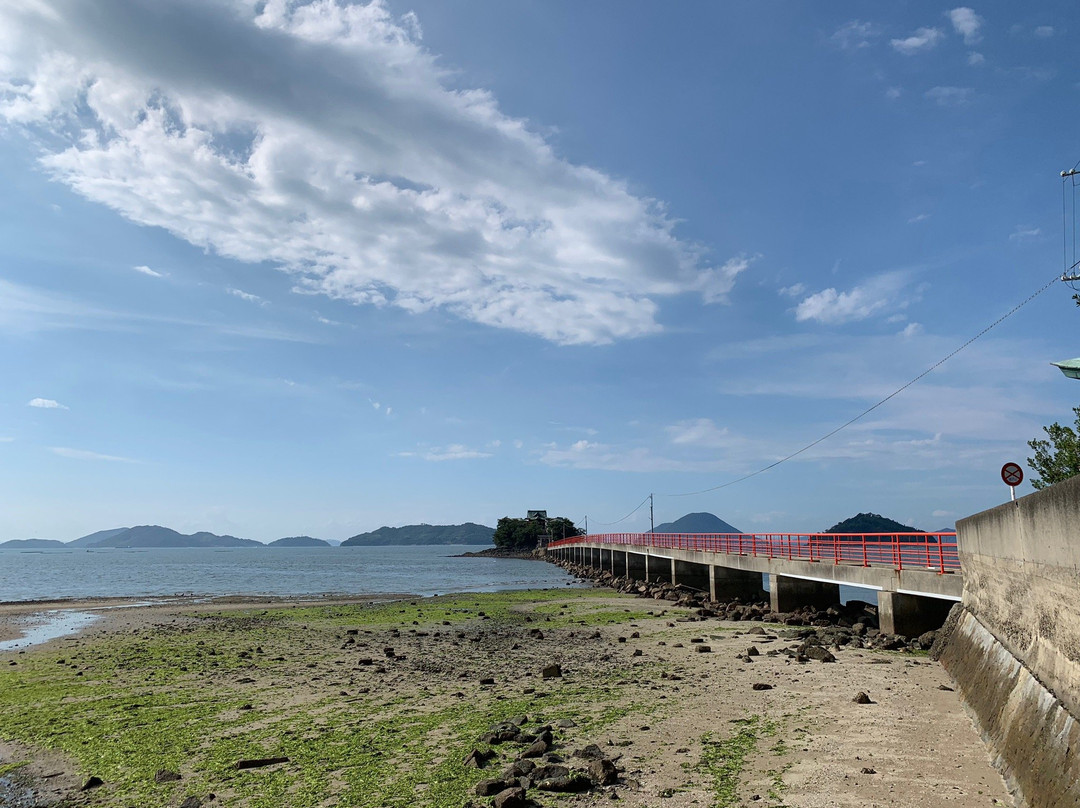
column 1012, row 474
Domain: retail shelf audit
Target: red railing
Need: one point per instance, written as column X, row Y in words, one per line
column 936, row 551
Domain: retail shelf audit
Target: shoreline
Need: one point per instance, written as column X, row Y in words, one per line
column 307, row 680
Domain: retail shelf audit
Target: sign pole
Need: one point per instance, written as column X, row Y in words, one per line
column 1012, row 475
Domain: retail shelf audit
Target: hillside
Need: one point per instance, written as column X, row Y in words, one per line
column 157, row 536
column 697, row 523
column 468, row 533
column 299, row 541
column 30, row 544
column 94, row 538
column 871, row 523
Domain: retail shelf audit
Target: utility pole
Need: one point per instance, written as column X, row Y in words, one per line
column 586, row 524
column 652, row 526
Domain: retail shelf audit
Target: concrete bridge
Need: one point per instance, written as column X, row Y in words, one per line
column 916, row 575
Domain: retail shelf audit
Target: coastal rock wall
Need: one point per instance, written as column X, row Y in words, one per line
column 1015, row 649
column 1032, row 736
column 1021, row 564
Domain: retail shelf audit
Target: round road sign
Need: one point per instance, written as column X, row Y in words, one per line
column 1012, row 474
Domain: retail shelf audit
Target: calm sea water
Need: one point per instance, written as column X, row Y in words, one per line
column 81, row 572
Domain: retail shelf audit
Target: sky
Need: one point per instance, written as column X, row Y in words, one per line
column 272, row 268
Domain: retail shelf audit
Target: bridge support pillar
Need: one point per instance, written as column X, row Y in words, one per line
column 729, row 584
column 696, row 576
column 635, row 566
column 605, row 560
column 787, row 594
column 910, row 615
column 658, row 569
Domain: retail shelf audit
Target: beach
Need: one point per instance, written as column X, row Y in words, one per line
column 395, row 701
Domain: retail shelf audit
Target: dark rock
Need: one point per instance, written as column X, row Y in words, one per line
column 862, row 698
column 513, row 797
column 93, row 782
column 191, row 802
column 258, row 763
column 603, row 772
column 489, row 788
column 535, row 750
column 570, row 783
column 478, row 758
column 552, row 671
column 487, row 681
column 945, row 687
column 866, row 770
column 166, row 776
column 548, row 771
column 590, row 752
column 761, row 686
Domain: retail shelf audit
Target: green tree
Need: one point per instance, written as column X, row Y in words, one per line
column 1058, row 458
column 524, row 534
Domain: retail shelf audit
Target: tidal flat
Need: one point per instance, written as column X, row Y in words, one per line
column 380, row 704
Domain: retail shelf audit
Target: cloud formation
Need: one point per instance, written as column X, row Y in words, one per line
column 966, row 23
column 324, row 140
column 855, row 35
column 950, row 96
column 145, row 270
column 834, row 308
column 45, row 404
column 82, row 454
column 922, row 40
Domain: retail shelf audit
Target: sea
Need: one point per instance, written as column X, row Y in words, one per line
column 87, row 572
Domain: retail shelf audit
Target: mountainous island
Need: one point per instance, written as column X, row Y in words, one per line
column 299, row 541
column 468, row 533
column 31, row 544
column 157, row 536
column 697, row 523
column 871, row 523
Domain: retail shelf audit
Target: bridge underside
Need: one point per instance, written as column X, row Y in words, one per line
column 910, row 601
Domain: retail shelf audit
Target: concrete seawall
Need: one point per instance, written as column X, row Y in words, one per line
column 1015, row 649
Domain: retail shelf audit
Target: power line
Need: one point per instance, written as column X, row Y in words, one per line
column 869, row 410
column 638, row 508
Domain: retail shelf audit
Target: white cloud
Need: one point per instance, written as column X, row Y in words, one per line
column 911, row 330
column 920, row 217
column 975, row 58
column 323, row 139
column 794, row 290
column 966, row 23
column 1044, row 31
column 454, row 451
column 45, row 404
column 518, row 444
column 250, row 298
column 145, row 270
column 855, row 35
column 1023, row 233
column 894, row 92
column 950, row 96
column 80, row 454
column 922, row 40
column 833, row 307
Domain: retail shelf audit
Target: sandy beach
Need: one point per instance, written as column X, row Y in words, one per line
column 384, row 703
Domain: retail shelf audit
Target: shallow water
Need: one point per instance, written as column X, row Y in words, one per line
column 45, row 626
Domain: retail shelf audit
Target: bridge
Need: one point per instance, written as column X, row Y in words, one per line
column 916, row 576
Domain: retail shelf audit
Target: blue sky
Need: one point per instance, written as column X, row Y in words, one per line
column 272, row 268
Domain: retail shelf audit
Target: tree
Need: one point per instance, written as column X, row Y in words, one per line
column 524, row 534
column 1058, row 458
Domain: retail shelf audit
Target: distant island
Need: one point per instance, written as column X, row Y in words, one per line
column 31, row 544
column 468, row 533
column 871, row 523
column 145, row 536
column 299, row 541
column 697, row 523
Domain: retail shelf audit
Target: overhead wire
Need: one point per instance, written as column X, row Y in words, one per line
column 858, row 417
column 873, row 407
